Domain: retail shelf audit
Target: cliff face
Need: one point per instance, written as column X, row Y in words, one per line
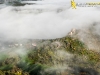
column 61, row 56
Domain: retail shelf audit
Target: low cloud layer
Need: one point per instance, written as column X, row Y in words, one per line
column 47, row 21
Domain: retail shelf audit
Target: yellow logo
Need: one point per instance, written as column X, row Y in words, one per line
column 73, row 4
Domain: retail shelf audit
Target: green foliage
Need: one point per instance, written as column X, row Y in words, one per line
column 77, row 47
column 6, row 67
column 43, row 55
column 36, row 69
column 15, row 3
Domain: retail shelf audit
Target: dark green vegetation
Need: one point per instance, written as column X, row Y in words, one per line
column 18, row 3
column 15, row 3
column 47, row 55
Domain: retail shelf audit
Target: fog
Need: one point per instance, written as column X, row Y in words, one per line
column 47, row 20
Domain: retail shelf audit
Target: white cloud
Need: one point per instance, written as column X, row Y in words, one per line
column 44, row 21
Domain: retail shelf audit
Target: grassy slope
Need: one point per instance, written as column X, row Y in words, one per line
column 43, row 56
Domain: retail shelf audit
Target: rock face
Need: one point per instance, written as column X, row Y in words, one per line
column 73, row 31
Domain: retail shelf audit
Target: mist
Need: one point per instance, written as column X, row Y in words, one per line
column 50, row 20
